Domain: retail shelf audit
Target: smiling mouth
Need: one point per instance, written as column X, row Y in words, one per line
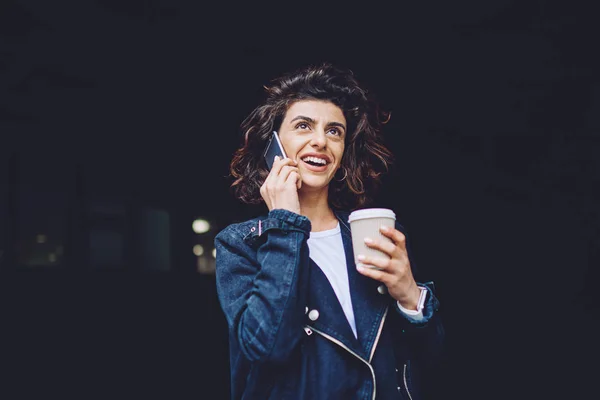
column 315, row 161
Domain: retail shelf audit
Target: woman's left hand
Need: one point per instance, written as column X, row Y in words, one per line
column 394, row 273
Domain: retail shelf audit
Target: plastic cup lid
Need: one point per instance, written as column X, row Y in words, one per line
column 371, row 213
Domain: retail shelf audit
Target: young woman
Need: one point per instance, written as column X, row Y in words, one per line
column 304, row 321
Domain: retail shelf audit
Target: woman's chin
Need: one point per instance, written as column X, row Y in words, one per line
column 314, row 185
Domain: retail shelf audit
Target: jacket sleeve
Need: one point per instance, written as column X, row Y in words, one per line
column 427, row 335
column 263, row 292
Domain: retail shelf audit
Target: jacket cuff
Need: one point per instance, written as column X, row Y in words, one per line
column 430, row 307
column 286, row 220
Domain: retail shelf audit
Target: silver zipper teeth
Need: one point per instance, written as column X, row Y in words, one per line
column 342, row 345
column 405, row 384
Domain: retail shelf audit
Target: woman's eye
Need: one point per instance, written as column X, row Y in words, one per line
column 302, row 125
column 335, row 132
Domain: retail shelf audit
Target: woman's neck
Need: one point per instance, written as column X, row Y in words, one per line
column 315, row 206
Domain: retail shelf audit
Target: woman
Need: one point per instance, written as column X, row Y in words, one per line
column 304, row 321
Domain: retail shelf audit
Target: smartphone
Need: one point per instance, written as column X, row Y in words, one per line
column 274, row 148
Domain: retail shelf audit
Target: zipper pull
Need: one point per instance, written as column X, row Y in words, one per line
column 308, row 330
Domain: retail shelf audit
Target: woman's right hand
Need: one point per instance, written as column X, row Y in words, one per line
column 280, row 189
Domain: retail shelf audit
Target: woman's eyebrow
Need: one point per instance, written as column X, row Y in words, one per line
column 337, row 124
column 312, row 121
column 302, row 117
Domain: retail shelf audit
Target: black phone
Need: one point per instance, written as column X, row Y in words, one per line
column 274, row 148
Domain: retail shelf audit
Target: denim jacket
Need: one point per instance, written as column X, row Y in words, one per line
column 288, row 335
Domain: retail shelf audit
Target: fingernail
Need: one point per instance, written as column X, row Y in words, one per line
column 368, row 240
column 384, row 228
column 276, row 158
column 361, row 257
column 360, row 267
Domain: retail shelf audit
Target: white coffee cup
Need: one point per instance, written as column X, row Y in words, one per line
column 365, row 223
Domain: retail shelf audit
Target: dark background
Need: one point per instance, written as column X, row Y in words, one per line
column 118, row 119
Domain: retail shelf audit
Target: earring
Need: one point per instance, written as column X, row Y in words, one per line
column 345, row 175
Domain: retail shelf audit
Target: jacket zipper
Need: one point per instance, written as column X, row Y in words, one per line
column 406, row 384
column 342, row 345
column 309, row 331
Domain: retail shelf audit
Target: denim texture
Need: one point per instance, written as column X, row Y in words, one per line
column 267, row 287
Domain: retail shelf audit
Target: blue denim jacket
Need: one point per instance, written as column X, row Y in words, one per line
column 268, row 287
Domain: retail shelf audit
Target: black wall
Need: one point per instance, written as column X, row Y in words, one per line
column 111, row 110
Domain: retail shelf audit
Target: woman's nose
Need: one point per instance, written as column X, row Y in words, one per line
column 318, row 139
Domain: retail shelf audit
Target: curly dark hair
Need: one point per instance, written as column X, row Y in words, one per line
column 365, row 156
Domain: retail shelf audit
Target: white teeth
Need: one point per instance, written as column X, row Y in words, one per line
column 315, row 160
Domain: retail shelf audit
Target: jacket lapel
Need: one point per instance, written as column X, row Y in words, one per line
column 330, row 318
column 368, row 303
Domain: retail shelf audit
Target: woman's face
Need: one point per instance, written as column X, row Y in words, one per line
column 313, row 133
